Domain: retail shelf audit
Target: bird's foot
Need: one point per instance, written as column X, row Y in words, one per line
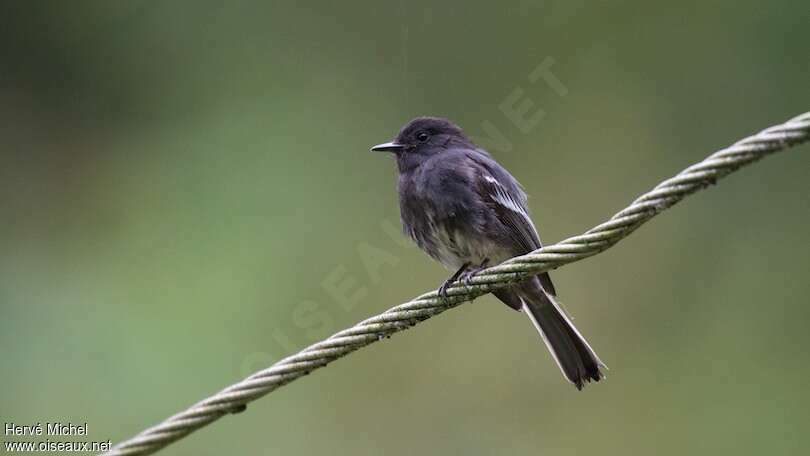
column 443, row 289
column 468, row 275
column 447, row 283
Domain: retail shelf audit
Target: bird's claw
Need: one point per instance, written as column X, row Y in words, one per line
column 468, row 279
column 447, row 283
column 470, row 273
column 443, row 289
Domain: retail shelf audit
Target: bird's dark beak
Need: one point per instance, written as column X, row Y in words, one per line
column 388, row 147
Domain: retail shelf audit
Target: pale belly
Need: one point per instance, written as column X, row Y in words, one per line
column 455, row 249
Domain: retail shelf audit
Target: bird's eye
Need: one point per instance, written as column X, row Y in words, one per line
column 422, row 136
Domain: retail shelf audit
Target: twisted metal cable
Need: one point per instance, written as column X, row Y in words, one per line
column 666, row 194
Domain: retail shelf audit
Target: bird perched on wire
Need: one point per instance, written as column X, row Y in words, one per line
column 466, row 211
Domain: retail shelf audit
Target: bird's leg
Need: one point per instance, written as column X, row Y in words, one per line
column 468, row 275
column 453, row 278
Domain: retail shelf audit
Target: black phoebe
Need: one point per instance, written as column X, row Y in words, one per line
column 466, row 211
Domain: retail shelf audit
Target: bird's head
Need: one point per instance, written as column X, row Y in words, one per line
column 423, row 137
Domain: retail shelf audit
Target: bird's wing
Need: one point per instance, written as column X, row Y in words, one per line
column 508, row 208
column 503, row 195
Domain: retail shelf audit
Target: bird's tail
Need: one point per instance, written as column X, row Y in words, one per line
column 577, row 360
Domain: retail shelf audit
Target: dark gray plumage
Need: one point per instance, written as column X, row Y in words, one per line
column 466, row 211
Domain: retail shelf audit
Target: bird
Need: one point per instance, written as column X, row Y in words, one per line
column 468, row 212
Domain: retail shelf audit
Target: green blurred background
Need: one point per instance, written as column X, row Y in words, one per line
column 184, row 184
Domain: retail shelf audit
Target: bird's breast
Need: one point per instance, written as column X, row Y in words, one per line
column 447, row 236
